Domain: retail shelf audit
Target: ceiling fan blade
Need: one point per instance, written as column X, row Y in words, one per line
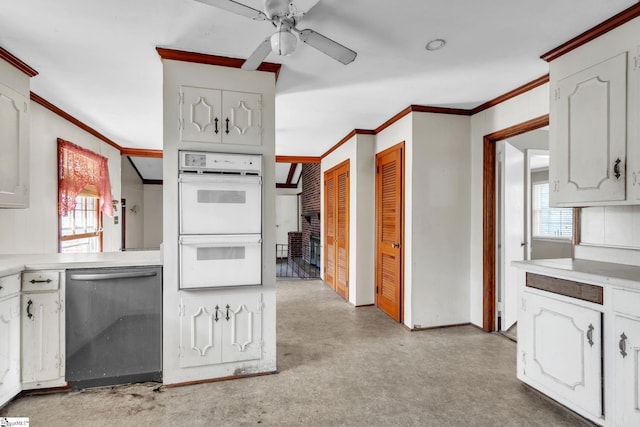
column 238, row 8
column 260, row 54
column 327, row 46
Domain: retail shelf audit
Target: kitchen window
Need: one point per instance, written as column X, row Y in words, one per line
column 84, row 194
column 549, row 222
column 81, row 230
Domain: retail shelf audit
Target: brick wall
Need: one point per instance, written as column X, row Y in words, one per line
column 310, row 201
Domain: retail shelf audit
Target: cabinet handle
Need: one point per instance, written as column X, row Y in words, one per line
column 227, row 125
column 216, row 318
column 623, row 345
column 39, row 281
column 29, row 304
column 227, row 313
column 215, row 128
column 590, row 335
column 616, row 168
column 395, row 245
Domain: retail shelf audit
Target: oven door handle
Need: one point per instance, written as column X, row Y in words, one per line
column 110, row 276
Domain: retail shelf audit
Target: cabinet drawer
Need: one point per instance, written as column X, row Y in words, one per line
column 626, row 302
column 40, row 281
column 9, row 285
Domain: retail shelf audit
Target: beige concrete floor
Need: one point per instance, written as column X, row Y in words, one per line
column 339, row 365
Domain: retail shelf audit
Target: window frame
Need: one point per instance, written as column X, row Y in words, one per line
column 569, row 237
column 90, row 191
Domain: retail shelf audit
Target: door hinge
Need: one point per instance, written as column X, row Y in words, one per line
column 180, row 98
column 376, row 289
column 377, row 169
column 556, row 94
column 180, row 124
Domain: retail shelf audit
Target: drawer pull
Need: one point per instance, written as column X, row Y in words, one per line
column 616, row 168
column 590, row 335
column 29, row 304
column 39, row 281
column 623, row 345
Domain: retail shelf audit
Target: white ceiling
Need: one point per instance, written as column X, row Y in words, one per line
column 97, row 59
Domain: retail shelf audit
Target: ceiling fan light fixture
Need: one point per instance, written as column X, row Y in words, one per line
column 283, row 42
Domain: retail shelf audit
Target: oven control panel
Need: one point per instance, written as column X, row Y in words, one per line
column 208, row 162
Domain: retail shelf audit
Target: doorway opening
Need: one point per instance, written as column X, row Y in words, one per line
column 518, row 222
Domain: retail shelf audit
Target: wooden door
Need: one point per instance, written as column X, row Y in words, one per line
column 336, row 196
column 342, row 231
column 329, row 229
column 389, row 230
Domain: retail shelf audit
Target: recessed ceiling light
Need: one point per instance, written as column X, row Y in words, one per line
column 435, row 44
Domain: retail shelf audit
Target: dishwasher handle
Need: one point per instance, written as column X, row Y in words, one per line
column 110, row 276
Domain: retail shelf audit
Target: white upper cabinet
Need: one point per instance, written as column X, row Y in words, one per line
column 594, row 123
column 14, row 149
column 220, row 116
column 588, row 142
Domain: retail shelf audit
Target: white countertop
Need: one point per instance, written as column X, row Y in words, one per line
column 11, row 264
column 596, row 272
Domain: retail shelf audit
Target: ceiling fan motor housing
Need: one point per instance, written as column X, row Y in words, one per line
column 276, row 8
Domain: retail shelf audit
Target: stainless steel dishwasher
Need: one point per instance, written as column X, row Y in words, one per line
column 113, row 326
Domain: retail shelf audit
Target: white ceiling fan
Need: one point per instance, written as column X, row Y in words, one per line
column 284, row 16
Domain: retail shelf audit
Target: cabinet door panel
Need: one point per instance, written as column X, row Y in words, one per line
column 201, row 319
column 242, row 118
column 242, row 336
column 562, row 350
column 14, row 149
column 9, row 348
column 588, row 135
column 627, row 374
column 200, row 118
column 41, row 356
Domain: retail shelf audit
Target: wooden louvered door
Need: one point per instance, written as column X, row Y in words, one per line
column 329, row 228
column 389, row 230
column 337, row 229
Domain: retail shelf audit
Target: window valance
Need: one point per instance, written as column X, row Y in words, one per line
column 77, row 168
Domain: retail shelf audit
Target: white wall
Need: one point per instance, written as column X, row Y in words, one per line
column 527, row 106
column 359, row 150
column 152, row 215
column 439, row 225
column 132, row 192
column 35, row 229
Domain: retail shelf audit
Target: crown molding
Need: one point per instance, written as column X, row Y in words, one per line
column 595, row 32
column 512, row 94
column 141, row 152
column 46, row 104
column 297, row 159
column 13, row 60
column 223, row 61
column 346, row 138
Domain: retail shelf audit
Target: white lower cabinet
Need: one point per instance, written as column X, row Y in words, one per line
column 627, row 371
column 42, row 331
column 560, row 351
column 219, row 329
column 9, row 348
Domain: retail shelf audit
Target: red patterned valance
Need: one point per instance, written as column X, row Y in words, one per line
column 77, row 168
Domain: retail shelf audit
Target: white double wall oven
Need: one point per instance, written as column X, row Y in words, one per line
column 220, row 211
